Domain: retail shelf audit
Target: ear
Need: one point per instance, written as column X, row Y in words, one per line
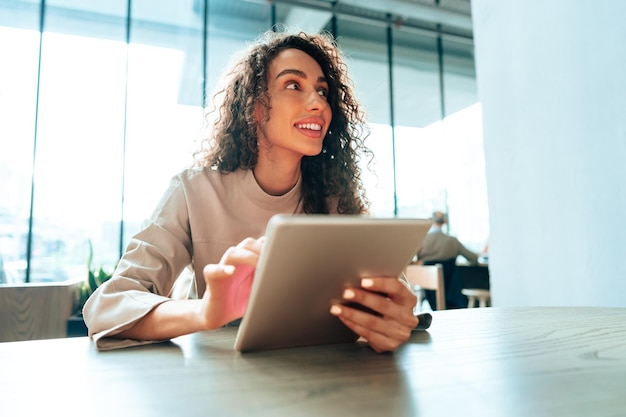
column 258, row 112
column 260, row 117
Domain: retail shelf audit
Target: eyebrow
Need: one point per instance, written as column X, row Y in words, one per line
column 299, row 73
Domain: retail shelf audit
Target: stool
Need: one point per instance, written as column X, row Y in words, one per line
column 473, row 294
column 421, row 296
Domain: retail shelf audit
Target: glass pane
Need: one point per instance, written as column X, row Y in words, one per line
column 466, row 183
column 366, row 48
column 20, row 14
column 19, row 49
column 420, row 151
column 417, row 100
column 232, row 25
column 303, row 18
column 462, row 127
column 459, row 75
column 165, row 89
column 80, row 132
column 163, row 114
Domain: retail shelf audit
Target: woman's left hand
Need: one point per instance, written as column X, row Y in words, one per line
column 394, row 303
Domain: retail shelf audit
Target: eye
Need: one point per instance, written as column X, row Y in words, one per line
column 292, row 86
column 323, row 92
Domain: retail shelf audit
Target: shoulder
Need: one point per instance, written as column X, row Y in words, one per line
column 452, row 239
column 197, row 174
column 445, row 239
column 437, row 234
column 203, row 177
column 191, row 184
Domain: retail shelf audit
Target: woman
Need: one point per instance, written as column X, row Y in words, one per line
column 286, row 138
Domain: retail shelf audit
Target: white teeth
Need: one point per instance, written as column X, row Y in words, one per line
column 311, row 126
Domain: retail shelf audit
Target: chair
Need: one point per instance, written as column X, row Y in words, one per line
column 427, row 277
column 452, row 284
column 477, row 294
column 475, row 281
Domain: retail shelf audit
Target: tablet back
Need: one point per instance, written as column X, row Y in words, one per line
column 306, row 263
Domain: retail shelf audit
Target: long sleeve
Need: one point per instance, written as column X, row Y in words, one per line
column 201, row 214
column 467, row 254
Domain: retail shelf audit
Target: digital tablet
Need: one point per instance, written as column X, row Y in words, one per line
column 306, row 263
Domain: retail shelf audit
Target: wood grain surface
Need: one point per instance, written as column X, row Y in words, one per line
column 36, row 311
column 487, row 362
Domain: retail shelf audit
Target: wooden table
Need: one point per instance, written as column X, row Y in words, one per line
column 559, row 361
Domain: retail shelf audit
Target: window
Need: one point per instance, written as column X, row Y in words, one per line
column 102, row 105
column 365, row 46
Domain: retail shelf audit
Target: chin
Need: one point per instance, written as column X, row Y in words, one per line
column 313, row 152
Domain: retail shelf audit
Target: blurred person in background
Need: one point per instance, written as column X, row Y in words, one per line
column 441, row 248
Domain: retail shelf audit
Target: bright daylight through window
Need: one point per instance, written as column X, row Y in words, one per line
column 96, row 120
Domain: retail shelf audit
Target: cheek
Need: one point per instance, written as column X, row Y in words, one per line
column 263, row 118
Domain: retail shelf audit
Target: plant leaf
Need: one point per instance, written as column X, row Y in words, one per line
column 93, row 284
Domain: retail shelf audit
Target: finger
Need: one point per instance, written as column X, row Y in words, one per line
column 390, row 309
column 252, row 244
column 377, row 341
column 228, row 291
column 369, row 325
column 217, row 271
column 246, row 252
column 394, row 288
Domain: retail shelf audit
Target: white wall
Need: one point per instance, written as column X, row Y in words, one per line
column 552, row 82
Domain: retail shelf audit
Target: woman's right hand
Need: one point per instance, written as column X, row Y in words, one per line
column 228, row 283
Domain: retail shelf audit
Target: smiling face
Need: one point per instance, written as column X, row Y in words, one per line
column 299, row 114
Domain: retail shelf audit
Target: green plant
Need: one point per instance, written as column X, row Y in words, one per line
column 95, row 278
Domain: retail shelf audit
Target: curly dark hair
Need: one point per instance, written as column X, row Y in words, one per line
column 232, row 141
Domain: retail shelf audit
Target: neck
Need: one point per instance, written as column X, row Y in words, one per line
column 276, row 179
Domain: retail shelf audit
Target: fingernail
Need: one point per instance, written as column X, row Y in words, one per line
column 229, row 269
column 335, row 310
column 348, row 294
column 366, row 282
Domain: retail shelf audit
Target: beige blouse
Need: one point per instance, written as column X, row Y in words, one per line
column 201, row 214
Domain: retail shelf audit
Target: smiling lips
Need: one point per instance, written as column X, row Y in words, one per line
column 311, row 127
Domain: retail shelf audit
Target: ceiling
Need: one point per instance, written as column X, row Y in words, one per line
column 451, row 17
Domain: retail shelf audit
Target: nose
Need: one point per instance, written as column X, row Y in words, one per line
column 316, row 102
